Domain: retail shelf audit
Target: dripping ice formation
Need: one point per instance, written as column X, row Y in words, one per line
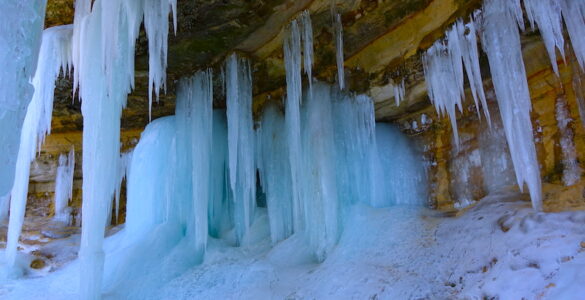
column 547, row 14
column 241, row 139
column 123, row 171
column 54, row 57
column 18, row 57
column 443, row 67
column 501, row 42
column 64, row 186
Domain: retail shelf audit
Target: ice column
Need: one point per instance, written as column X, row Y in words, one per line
column 241, row 143
column 195, row 95
column 275, row 175
column 55, row 55
column 21, row 26
column 292, row 60
column 501, row 41
column 321, row 211
column 64, row 185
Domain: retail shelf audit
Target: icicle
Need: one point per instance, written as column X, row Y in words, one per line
column 444, row 81
column 467, row 37
column 275, row 174
column 21, row 26
column 64, row 186
column 307, row 37
column 501, row 41
column 399, row 92
column 292, row 61
column 339, row 46
column 241, row 143
column 443, row 65
column 55, row 54
column 156, row 24
column 571, row 169
column 573, row 12
column 547, row 14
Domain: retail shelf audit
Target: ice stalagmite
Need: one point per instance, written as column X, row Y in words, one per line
column 292, row 60
column 275, row 175
column 241, row 143
column 55, row 55
column 339, row 46
column 547, row 14
column 64, row 185
column 501, row 42
column 573, row 12
column 21, row 26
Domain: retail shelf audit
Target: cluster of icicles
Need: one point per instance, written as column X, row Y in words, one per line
column 499, row 22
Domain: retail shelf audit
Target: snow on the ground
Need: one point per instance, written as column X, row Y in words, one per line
column 498, row 249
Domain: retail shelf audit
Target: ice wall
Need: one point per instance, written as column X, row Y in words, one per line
column 241, row 141
column 399, row 173
column 54, row 57
column 64, row 186
column 21, row 26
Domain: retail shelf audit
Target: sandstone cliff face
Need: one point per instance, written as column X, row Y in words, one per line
column 383, row 43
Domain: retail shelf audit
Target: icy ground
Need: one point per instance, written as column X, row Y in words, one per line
column 499, row 248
